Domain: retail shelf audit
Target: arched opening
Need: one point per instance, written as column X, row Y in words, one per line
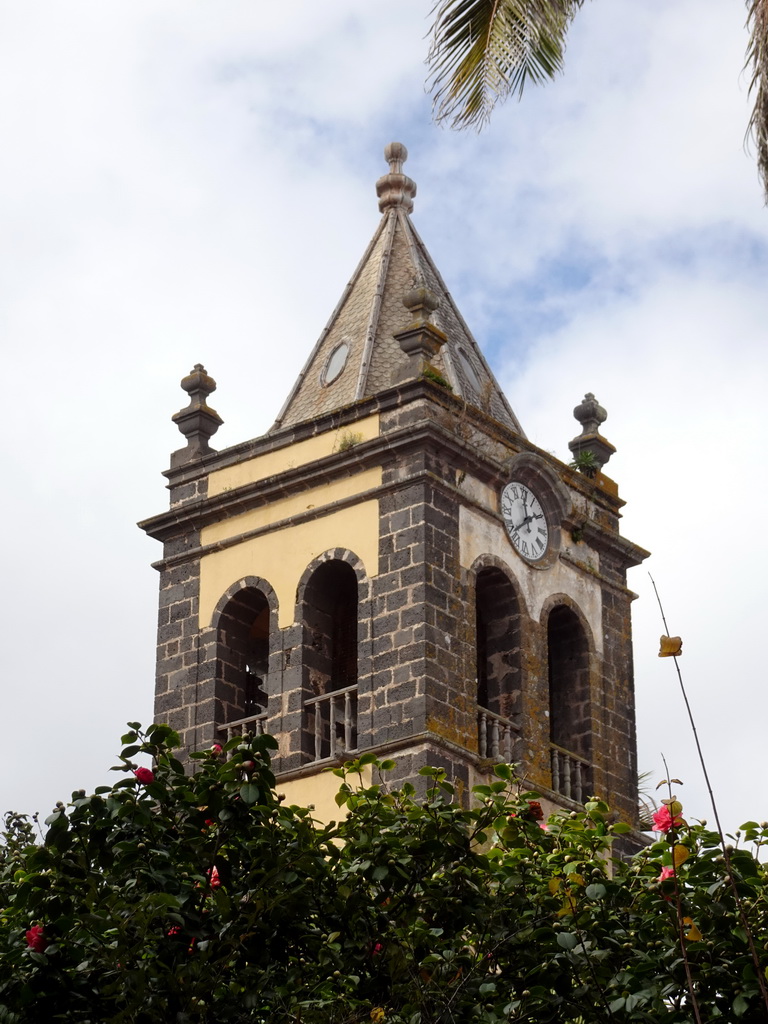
column 242, row 661
column 570, row 711
column 497, row 632
column 329, row 621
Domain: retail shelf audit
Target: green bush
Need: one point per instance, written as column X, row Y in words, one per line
column 203, row 898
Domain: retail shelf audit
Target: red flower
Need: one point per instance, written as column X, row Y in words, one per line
column 213, row 877
column 663, row 820
column 216, row 748
column 144, row 775
column 36, row 939
column 535, row 812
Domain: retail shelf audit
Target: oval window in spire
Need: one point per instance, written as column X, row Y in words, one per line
column 335, row 363
column 470, row 372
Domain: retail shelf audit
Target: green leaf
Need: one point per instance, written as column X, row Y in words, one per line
column 165, row 899
column 486, row 50
column 160, row 733
column 567, row 940
column 249, row 792
column 596, row 891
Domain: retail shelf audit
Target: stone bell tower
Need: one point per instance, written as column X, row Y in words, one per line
column 394, row 567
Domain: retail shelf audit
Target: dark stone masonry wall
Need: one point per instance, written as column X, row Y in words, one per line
column 617, row 749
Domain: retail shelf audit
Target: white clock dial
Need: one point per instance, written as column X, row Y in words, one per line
column 525, row 520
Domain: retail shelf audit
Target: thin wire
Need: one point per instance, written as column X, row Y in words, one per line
column 726, row 856
column 690, row 717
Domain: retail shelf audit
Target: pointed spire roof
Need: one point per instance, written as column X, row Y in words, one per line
column 358, row 354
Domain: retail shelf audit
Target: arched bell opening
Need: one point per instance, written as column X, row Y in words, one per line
column 570, row 707
column 330, row 661
column 497, row 632
column 242, row 662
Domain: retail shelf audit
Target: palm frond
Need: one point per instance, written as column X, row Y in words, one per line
column 757, row 62
column 485, row 50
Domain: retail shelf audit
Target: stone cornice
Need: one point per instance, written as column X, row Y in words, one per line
column 428, row 434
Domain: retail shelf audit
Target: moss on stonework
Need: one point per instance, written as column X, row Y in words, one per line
column 431, row 373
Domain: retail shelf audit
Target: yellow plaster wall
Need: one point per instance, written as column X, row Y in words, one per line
column 320, row 791
column 282, row 556
column 291, row 456
column 294, row 505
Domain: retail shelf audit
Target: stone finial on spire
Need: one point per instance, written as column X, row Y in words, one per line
column 198, row 422
column 421, row 340
column 395, row 189
column 590, row 449
column 420, row 301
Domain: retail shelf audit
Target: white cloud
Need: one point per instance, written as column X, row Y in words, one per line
column 185, row 184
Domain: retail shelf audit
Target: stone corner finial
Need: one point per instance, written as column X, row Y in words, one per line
column 395, row 189
column 590, row 449
column 198, row 422
column 590, row 414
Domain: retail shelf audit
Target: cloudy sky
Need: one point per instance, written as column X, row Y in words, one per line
column 189, row 181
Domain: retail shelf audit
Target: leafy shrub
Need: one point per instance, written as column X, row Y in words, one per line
column 182, row 898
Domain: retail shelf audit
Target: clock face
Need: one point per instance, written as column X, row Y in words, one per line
column 525, row 520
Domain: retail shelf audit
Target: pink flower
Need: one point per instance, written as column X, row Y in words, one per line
column 173, row 930
column 216, row 748
column 666, row 873
column 213, row 877
column 144, row 775
column 663, row 821
column 36, row 939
